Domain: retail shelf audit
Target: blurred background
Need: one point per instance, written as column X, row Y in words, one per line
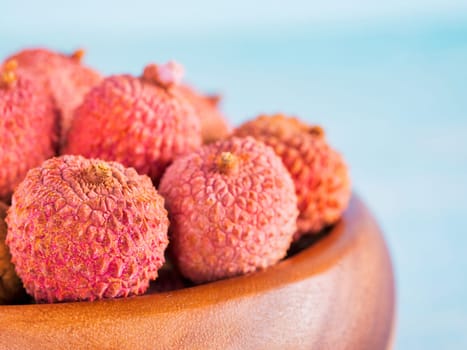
column 387, row 80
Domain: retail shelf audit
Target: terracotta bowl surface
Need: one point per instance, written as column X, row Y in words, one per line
column 337, row 293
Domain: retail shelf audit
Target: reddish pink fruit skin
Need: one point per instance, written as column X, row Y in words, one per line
column 320, row 174
column 214, row 126
column 81, row 229
column 70, row 87
column 136, row 123
column 62, row 76
column 27, row 131
column 229, row 223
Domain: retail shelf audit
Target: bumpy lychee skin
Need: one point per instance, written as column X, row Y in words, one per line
column 63, row 76
column 214, row 125
column 320, row 175
column 11, row 288
column 233, row 209
column 27, row 127
column 138, row 122
column 81, row 229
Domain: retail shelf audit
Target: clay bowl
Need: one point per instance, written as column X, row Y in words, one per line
column 337, row 293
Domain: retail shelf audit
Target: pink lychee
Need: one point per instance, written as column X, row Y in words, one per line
column 63, row 76
column 233, row 209
column 139, row 122
column 27, row 127
column 319, row 172
column 86, row 229
column 214, row 125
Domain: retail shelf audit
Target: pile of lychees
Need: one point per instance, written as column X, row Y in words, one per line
column 106, row 177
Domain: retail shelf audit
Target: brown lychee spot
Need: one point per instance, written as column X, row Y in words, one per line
column 214, row 99
column 316, row 130
column 227, row 163
column 164, row 75
column 11, row 65
column 98, row 174
column 9, row 74
column 78, row 55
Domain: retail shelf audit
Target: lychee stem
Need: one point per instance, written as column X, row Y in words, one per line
column 316, row 130
column 9, row 73
column 98, row 174
column 164, row 75
column 214, row 99
column 226, row 163
column 78, row 55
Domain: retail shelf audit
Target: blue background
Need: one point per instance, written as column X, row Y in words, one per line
column 387, row 81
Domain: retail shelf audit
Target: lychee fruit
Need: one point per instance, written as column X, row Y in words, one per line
column 214, row 125
column 11, row 288
column 63, row 76
column 139, row 122
column 319, row 172
column 27, row 127
column 232, row 207
column 86, row 229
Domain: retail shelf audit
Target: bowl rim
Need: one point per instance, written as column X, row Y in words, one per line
column 309, row 262
column 294, row 300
